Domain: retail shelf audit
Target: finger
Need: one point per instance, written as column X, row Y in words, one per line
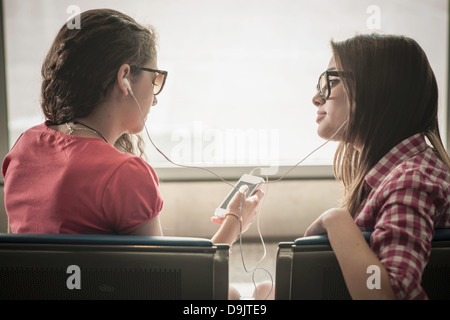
column 307, row 233
column 258, row 195
column 217, row 220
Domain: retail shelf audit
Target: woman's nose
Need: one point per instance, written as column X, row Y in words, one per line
column 155, row 100
column 317, row 100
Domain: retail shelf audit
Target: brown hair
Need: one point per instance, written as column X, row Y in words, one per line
column 393, row 95
column 82, row 64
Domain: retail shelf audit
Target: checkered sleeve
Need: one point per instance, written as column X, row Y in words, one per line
column 403, row 232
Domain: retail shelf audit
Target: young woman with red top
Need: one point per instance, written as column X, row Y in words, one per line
column 380, row 95
column 81, row 170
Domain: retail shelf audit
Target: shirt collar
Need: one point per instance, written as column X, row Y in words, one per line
column 400, row 153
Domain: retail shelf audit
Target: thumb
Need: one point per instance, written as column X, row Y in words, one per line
column 243, row 189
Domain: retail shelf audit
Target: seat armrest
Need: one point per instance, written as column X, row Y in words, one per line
column 441, row 235
column 322, row 239
column 104, row 239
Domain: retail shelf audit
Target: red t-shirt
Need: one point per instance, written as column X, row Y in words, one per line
column 59, row 183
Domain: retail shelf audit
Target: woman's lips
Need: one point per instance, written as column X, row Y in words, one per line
column 320, row 116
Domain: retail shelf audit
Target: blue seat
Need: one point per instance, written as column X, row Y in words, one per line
column 41, row 266
column 308, row 269
column 103, row 239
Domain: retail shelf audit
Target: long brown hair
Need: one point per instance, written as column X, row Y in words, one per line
column 81, row 66
column 393, row 95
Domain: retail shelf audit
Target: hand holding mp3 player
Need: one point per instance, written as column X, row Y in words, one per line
column 252, row 182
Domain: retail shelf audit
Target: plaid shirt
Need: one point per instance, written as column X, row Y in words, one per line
column 408, row 196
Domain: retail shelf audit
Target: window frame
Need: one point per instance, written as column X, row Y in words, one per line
column 4, row 131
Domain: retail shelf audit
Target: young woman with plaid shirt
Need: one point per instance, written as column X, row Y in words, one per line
column 397, row 184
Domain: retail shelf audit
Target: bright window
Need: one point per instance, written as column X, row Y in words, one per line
column 241, row 73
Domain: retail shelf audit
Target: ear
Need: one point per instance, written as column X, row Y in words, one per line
column 124, row 73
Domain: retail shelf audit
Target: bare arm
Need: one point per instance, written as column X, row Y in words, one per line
column 229, row 227
column 151, row 228
column 353, row 253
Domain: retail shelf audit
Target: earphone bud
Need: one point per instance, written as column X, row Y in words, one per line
column 126, row 83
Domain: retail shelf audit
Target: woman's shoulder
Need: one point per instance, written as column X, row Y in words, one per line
column 423, row 170
column 107, row 158
column 131, row 165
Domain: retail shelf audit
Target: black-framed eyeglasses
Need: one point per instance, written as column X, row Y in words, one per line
column 323, row 85
column 159, row 81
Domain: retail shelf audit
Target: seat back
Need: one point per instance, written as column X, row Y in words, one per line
column 111, row 267
column 308, row 269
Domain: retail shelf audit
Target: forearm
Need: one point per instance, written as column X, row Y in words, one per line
column 228, row 231
column 355, row 256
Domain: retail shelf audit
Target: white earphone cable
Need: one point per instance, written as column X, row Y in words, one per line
column 254, row 269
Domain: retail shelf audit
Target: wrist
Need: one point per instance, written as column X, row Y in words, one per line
column 235, row 221
column 228, row 231
column 234, row 217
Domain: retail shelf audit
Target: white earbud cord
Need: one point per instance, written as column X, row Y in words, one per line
column 215, row 174
column 167, row 158
column 307, row 156
column 253, row 270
